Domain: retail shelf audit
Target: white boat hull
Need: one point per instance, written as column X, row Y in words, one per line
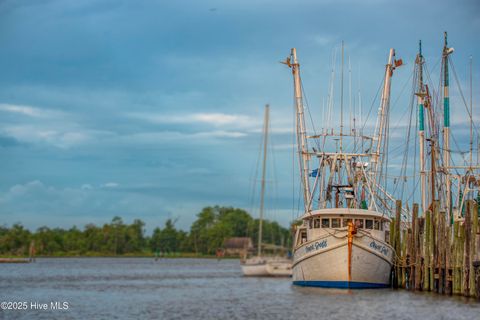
column 255, row 270
column 280, row 268
column 325, row 263
column 267, row 267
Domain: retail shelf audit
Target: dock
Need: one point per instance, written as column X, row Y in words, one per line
column 437, row 255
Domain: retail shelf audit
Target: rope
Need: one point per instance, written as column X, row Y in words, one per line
column 461, row 94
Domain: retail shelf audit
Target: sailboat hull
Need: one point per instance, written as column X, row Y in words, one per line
column 255, row 270
column 325, row 263
column 267, row 267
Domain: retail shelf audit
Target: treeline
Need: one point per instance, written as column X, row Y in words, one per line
column 212, row 226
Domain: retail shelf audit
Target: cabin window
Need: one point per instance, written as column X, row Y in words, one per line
column 346, row 221
column 368, row 224
column 316, row 223
column 359, row 223
column 325, row 223
column 377, row 225
column 381, row 226
column 335, row 223
column 310, row 224
column 303, row 236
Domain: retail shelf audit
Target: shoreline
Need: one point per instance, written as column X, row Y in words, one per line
column 178, row 256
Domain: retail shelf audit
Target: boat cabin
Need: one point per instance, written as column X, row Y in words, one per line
column 322, row 222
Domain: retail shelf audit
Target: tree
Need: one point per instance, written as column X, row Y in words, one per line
column 135, row 240
column 16, row 240
column 199, row 229
column 207, row 233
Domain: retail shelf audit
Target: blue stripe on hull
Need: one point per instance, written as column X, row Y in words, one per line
column 341, row 284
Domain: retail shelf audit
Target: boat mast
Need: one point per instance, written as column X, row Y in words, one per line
column 337, row 193
column 421, row 124
column 446, row 125
column 432, row 140
column 264, row 167
column 341, row 106
column 292, row 62
column 380, row 127
column 471, row 115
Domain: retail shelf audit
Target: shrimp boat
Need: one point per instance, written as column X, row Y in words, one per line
column 341, row 240
column 262, row 265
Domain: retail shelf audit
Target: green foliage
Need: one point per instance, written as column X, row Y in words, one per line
column 15, row 240
column 215, row 224
column 167, row 240
column 207, row 233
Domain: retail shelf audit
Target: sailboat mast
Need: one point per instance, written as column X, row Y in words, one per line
column 446, row 125
column 421, row 127
column 292, row 62
column 264, row 167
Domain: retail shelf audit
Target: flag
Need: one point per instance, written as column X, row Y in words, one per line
column 314, row 173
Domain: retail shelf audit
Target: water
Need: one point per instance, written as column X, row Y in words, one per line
column 137, row 288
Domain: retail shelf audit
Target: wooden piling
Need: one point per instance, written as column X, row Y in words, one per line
column 461, row 257
column 448, row 259
column 476, row 266
column 398, row 211
column 419, row 274
column 434, row 277
column 466, row 260
column 403, row 269
column 455, row 260
column 473, row 248
column 413, row 248
column 426, row 272
column 433, row 246
column 441, row 251
column 392, row 233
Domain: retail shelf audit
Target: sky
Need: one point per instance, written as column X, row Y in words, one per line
column 154, row 109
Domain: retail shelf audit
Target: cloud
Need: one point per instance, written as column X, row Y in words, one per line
column 21, row 189
column 58, row 137
column 215, row 119
column 35, row 125
column 169, row 137
column 140, row 93
column 6, row 141
column 323, row 39
column 110, row 185
column 29, row 203
column 220, row 119
column 30, row 111
column 219, row 134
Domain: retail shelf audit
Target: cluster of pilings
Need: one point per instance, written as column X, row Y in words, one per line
column 432, row 254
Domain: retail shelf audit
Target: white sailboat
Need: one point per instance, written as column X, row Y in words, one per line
column 262, row 265
column 342, row 240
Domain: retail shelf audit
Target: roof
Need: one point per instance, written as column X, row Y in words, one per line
column 345, row 211
column 238, row 243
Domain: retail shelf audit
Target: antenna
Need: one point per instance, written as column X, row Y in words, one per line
column 350, row 94
column 471, row 114
column 360, row 120
column 341, row 108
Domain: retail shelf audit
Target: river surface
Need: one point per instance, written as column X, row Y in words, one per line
column 141, row 288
